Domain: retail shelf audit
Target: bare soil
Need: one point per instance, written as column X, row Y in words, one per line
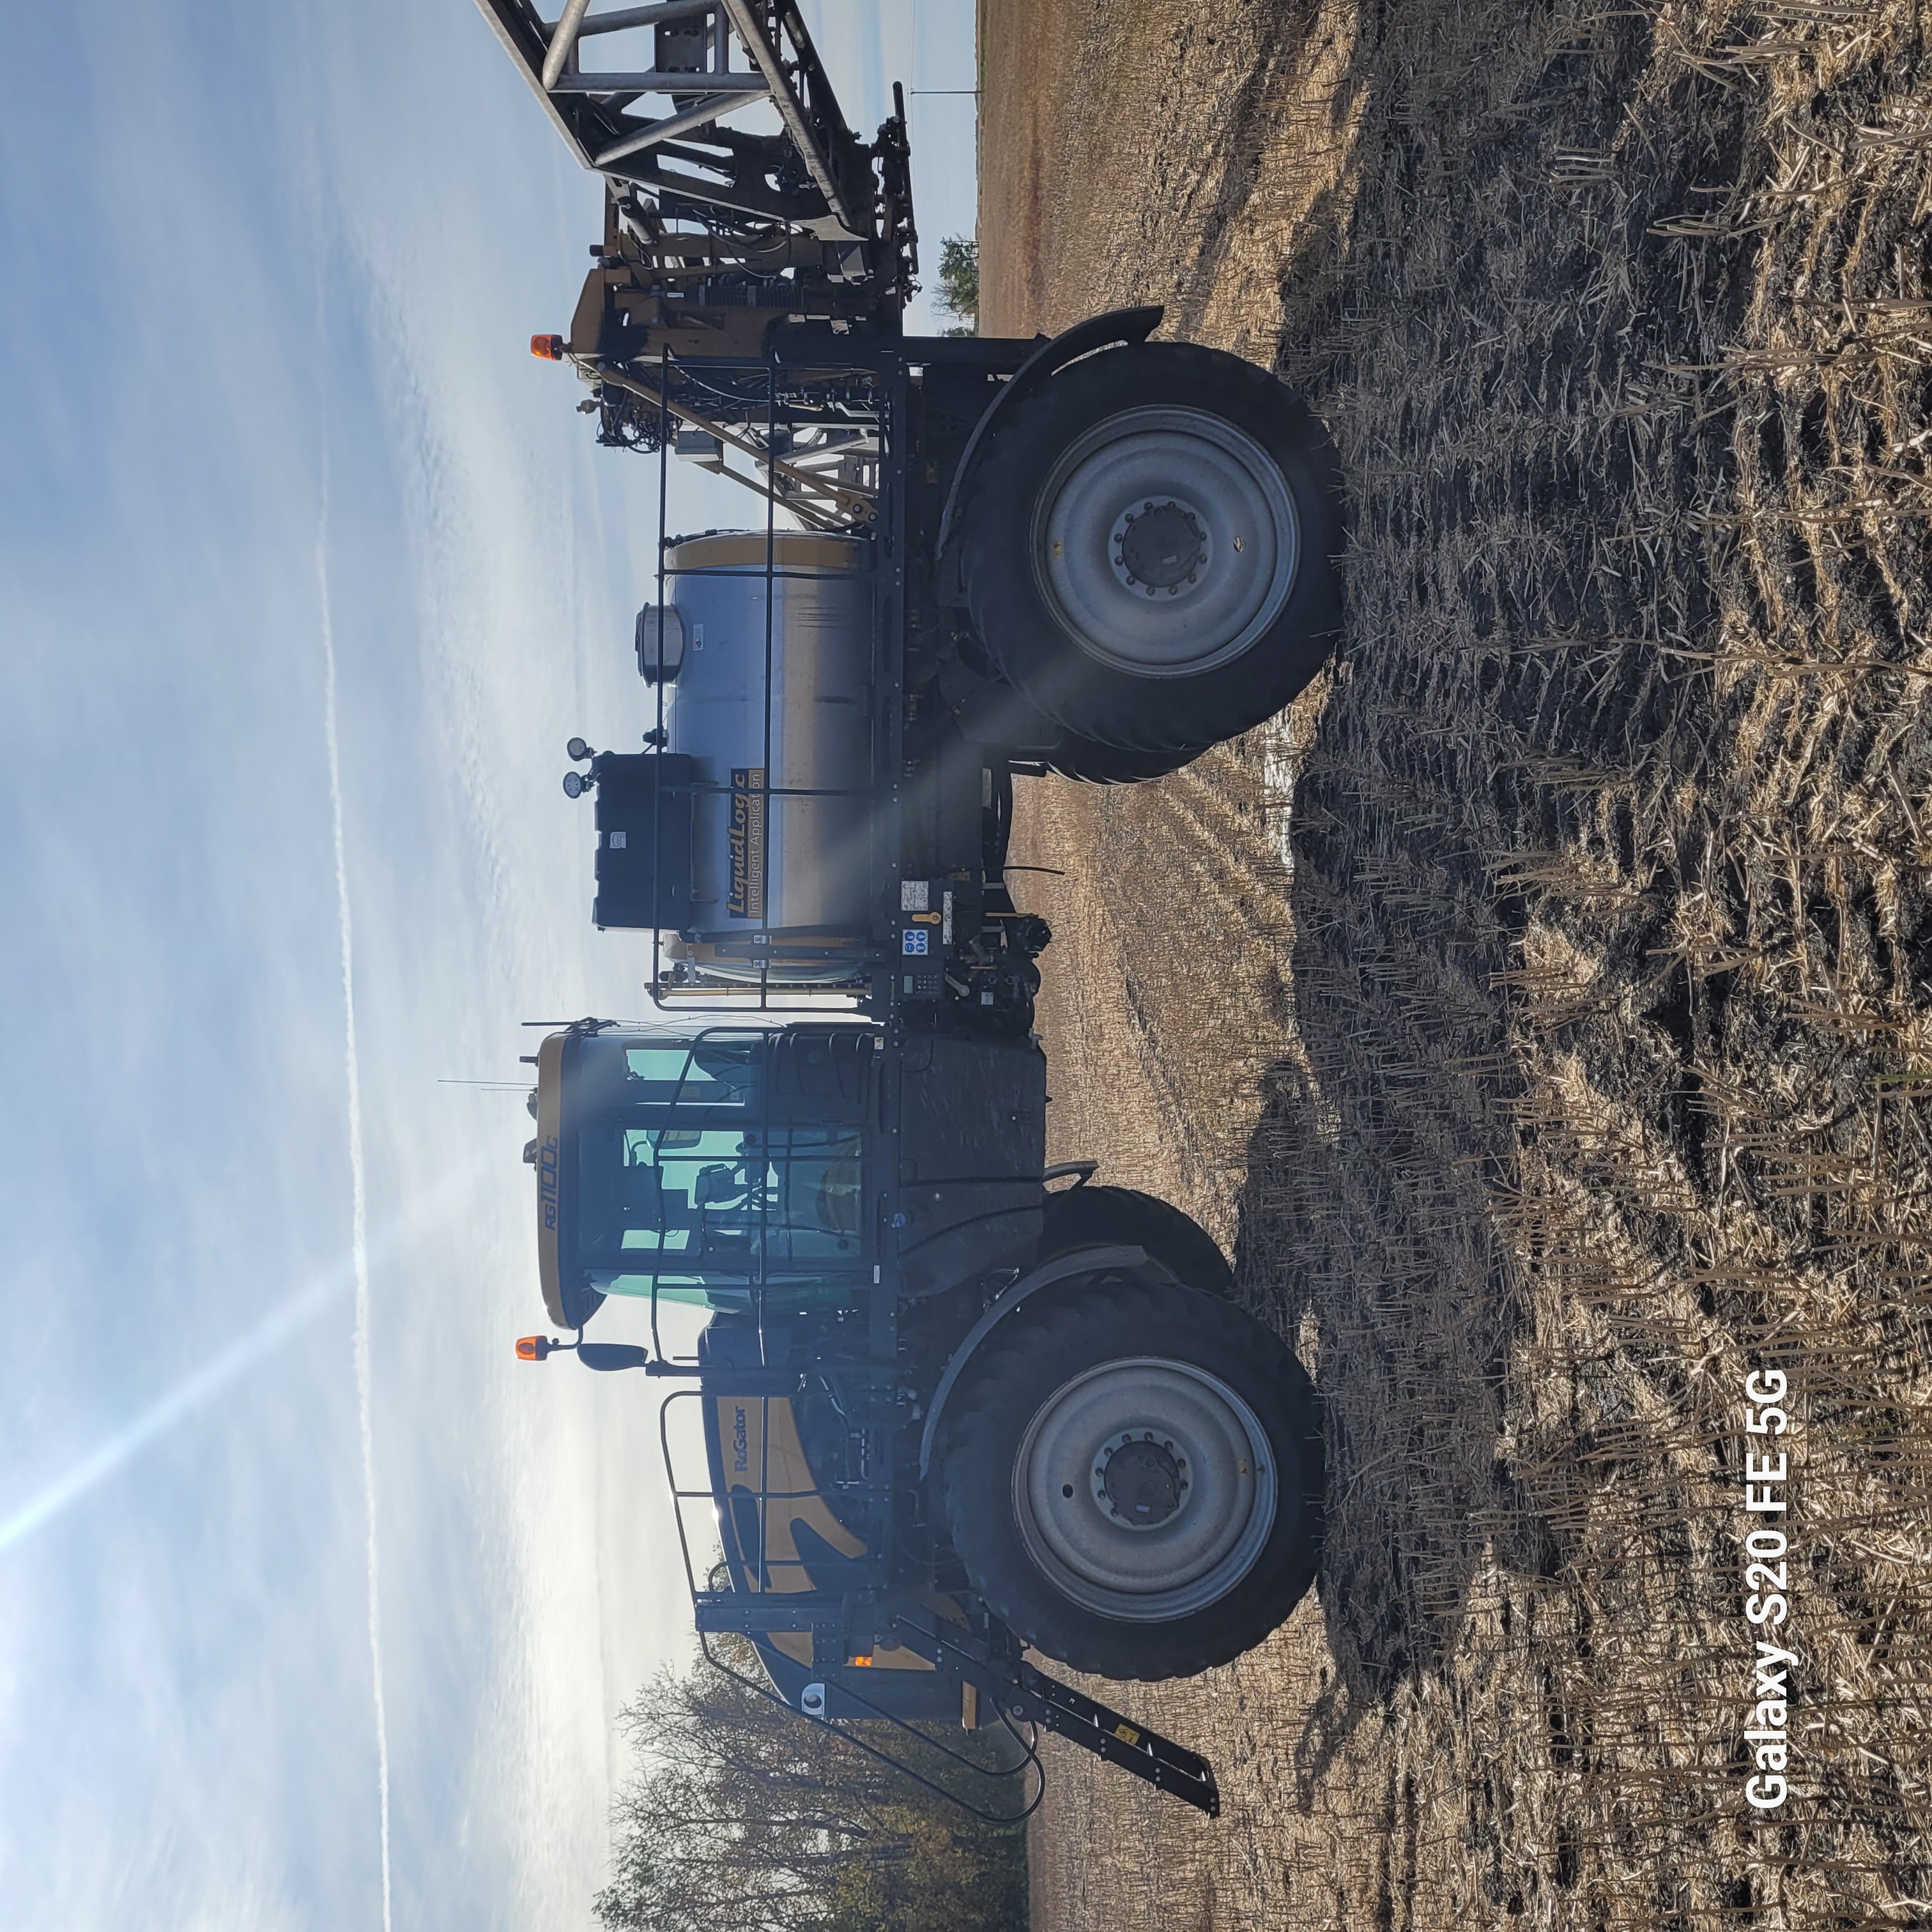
column 1541, row 1010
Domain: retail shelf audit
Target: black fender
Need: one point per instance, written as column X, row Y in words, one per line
column 1116, row 327
column 1061, row 1267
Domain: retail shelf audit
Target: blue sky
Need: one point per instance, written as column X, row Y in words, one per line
column 271, row 439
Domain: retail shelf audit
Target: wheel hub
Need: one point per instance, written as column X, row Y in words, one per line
column 1143, row 1489
column 1165, row 541
column 1140, row 1482
column 1160, row 546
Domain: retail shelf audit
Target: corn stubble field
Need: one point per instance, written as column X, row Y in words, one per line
column 1542, row 1010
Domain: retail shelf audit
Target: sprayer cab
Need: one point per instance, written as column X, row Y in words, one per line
column 757, row 1167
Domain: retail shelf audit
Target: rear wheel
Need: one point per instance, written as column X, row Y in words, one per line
column 1096, row 1217
column 1133, row 1480
column 1148, row 549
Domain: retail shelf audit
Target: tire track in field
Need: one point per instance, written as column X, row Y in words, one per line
column 1193, row 888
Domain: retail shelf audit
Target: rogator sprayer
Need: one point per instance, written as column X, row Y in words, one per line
column 955, row 1405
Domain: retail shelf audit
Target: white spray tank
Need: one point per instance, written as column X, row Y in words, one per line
column 754, row 823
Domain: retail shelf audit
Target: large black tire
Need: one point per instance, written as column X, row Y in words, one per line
column 1100, row 1362
column 1145, row 663
column 1094, row 1216
column 1094, row 764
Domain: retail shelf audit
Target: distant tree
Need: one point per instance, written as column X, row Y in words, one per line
column 742, row 1817
column 958, row 292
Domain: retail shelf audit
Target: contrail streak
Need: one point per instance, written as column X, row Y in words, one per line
column 358, row 1246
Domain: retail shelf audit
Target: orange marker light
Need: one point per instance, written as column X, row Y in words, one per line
column 531, row 1348
column 549, row 348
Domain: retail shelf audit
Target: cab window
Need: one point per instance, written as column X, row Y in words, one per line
column 719, row 1198
column 713, row 1074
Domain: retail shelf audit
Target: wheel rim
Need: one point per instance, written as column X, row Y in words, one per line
column 1164, row 541
column 1144, row 1489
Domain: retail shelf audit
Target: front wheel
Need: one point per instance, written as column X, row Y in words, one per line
column 1148, row 548
column 1096, row 1216
column 1134, row 1479
column 1096, row 763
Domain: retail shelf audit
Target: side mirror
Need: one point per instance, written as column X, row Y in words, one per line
column 606, row 1356
column 609, row 1356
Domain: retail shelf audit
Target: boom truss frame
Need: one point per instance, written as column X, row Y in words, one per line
column 717, row 239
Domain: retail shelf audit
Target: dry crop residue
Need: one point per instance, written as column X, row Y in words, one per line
column 1542, row 1011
